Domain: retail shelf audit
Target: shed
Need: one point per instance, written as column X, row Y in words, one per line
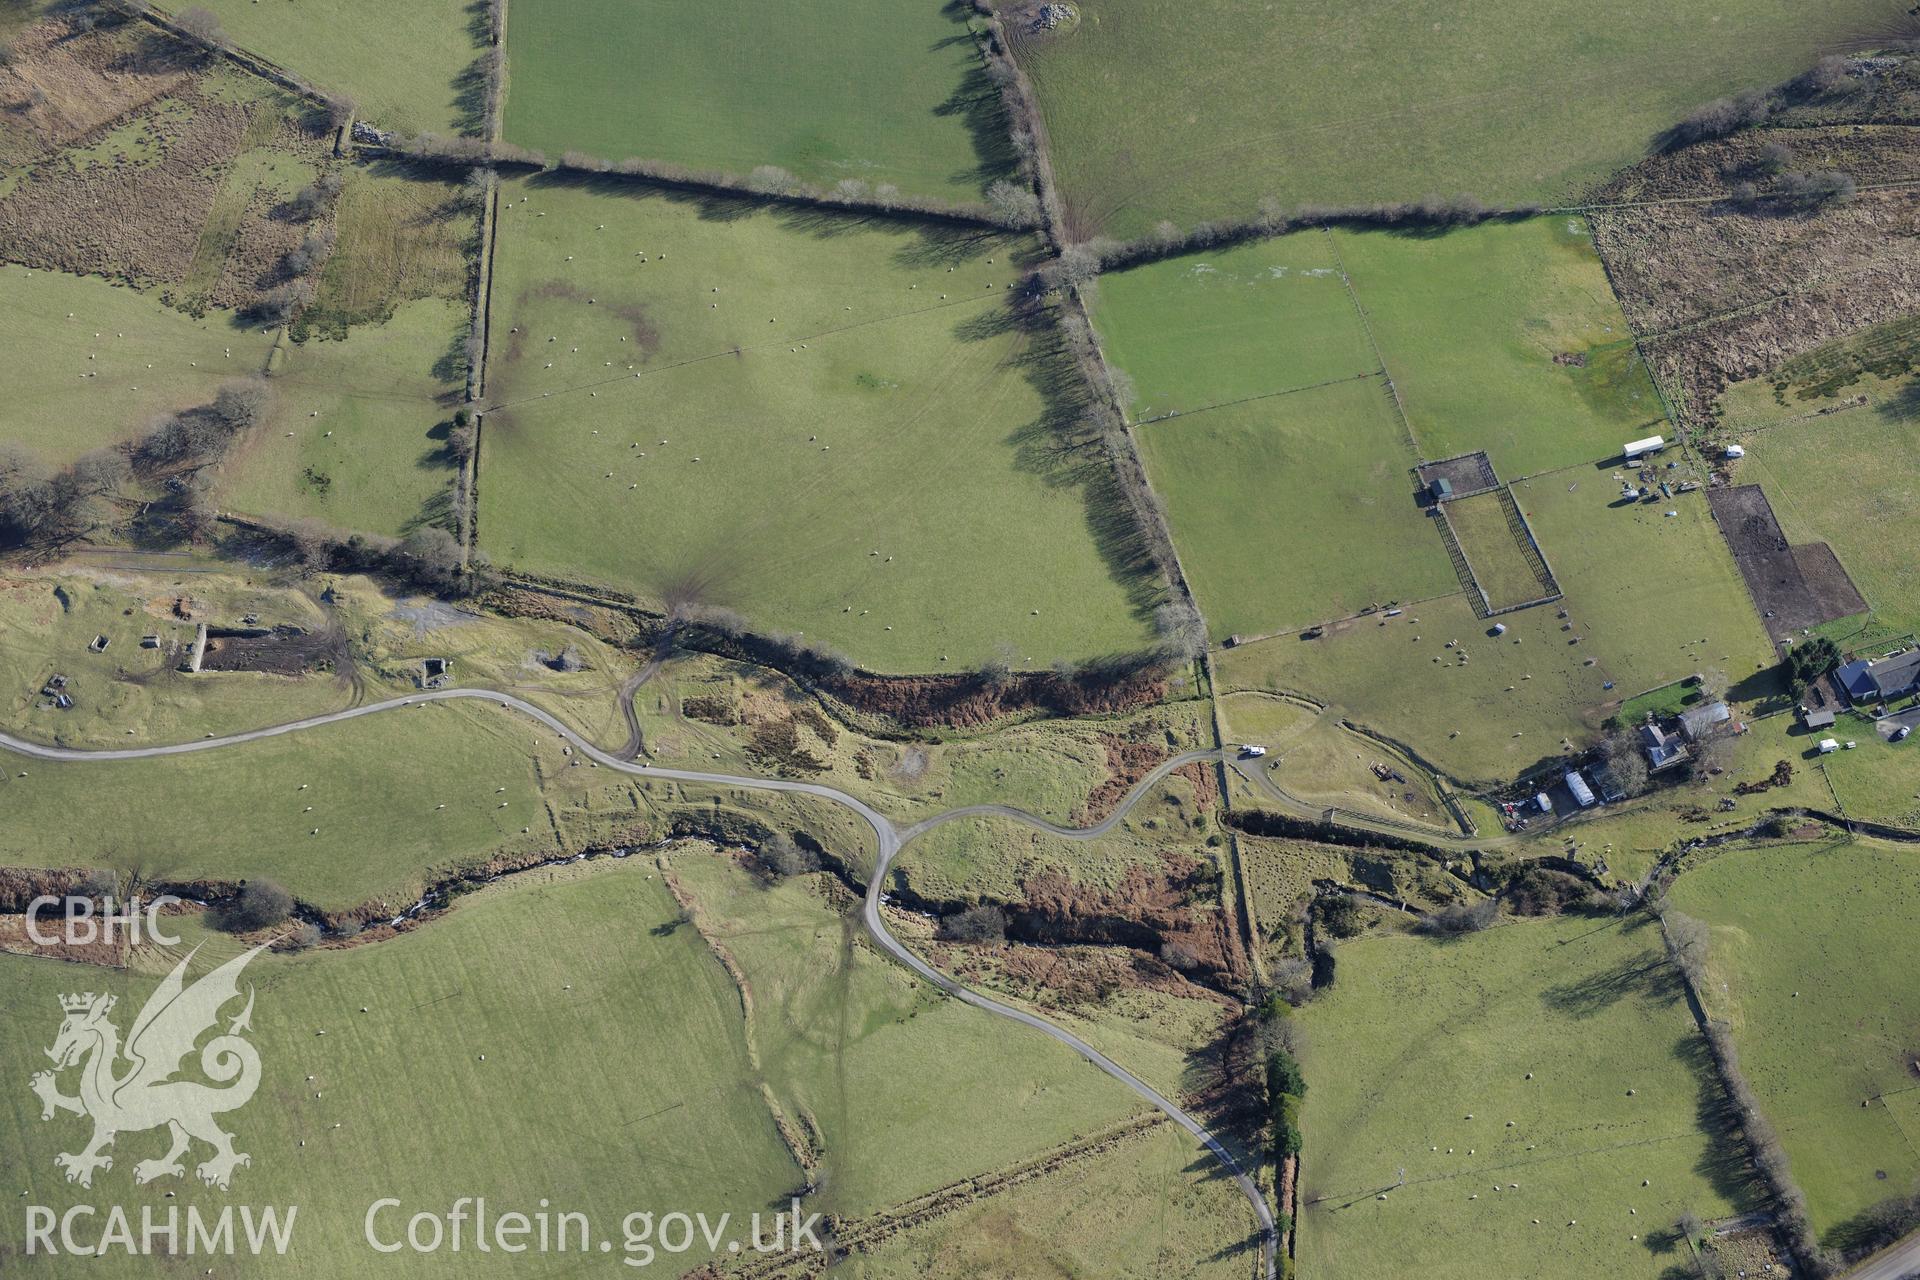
column 1641, row 448
column 1698, row 722
column 1442, row 489
column 1820, row 719
column 1581, row 791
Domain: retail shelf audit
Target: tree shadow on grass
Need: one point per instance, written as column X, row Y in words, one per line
column 1904, row 404
column 1648, row 977
column 976, row 101
column 1727, row 1161
column 1064, row 449
column 469, row 100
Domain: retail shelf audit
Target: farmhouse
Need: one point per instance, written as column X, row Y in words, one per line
column 1881, row 681
column 1663, row 749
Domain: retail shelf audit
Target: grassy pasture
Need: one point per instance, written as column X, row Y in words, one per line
column 373, row 786
column 892, row 1075
column 553, row 1039
column 893, row 93
column 1650, row 599
column 407, row 68
column 60, row 403
column 1201, row 111
column 1470, row 323
column 857, row 443
column 1493, row 550
column 1215, row 328
column 357, row 432
column 992, row 857
column 1296, row 508
column 1416, row 1065
column 1811, row 963
column 404, row 233
column 1828, row 482
column 1331, row 765
column 1149, row 1208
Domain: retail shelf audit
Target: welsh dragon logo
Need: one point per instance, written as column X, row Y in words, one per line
column 143, row 1094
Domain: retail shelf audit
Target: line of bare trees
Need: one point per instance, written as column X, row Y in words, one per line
column 1724, row 117
column 1032, row 200
column 428, row 558
column 765, row 182
column 1687, row 941
column 42, row 505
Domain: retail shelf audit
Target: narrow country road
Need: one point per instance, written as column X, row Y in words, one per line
column 891, row 840
column 1899, row 1262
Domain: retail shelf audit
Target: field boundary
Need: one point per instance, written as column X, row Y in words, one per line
column 1373, row 344
column 1171, row 414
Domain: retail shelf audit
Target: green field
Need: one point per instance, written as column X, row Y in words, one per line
column 893, row 1076
column 1650, row 599
column 858, row 443
column 1330, row 765
column 556, row 1040
column 357, row 433
column 1215, row 328
column 1291, row 501
column 408, row 68
column 1418, row 1105
column 1203, row 110
column 871, row 91
column 1811, row 964
column 1812, row 472
column 369, row 788
column 80, row 349
column 1470, row 324
column 1493, row 550
column 1293, row 509
column 1149, row 1208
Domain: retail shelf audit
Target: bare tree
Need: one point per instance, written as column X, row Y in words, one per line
column 771, row 179
column 975, row 924
column 202, row 25
column 243, row 402
column 783, row 857
column 261, row 903
column 1182, row 631
column 26, row 493
column 1625, row 761
column 1013, row 203
column 313, row 542
column 1460, row 917
column 1182, row 955
column 282, row 302
column 314, row 199
column 310, row 253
